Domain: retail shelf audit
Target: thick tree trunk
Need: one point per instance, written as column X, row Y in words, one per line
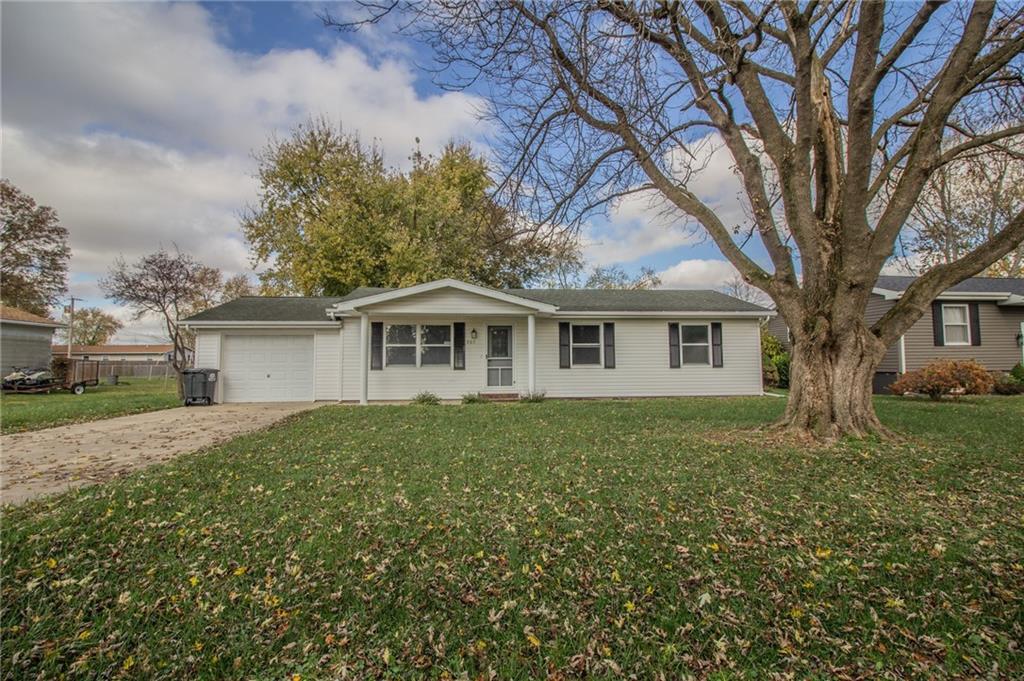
column 830, row 383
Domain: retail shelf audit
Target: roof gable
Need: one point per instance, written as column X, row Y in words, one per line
column 354, row 304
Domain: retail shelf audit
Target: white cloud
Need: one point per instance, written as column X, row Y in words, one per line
column 697, row 274
column 639, row 225
column 644, row 223
column 137, row 124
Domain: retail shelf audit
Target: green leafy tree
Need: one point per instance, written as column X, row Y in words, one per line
column 332, row 217
column 92, row 326
column 34, row 252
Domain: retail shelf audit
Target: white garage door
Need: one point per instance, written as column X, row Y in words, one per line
column 267, row 369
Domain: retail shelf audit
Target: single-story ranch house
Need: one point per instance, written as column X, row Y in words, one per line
column 452, row 338
column 981, row 318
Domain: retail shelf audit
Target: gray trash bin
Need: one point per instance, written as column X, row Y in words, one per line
column 199, row 385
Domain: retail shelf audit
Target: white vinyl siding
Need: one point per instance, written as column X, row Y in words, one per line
column 641, row 360
column 327, row 359
column 207, row 350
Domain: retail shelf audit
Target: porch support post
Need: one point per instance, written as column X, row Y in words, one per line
column 531, row 352
column 364, row 356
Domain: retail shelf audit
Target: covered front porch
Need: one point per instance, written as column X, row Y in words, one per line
column 401, row 356
column 449, row 339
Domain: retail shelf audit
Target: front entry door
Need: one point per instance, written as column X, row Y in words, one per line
column 499, row 356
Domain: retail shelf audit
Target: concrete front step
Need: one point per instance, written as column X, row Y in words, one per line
column 500, row 397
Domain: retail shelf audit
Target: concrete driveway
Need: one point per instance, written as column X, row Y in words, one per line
column 56, row 459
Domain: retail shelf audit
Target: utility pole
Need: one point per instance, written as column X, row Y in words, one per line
column 71, row 322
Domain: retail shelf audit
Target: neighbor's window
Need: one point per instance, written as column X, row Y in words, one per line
column 956, row 329
column 586, row 344
column 694, row 339
column 435, row 344
column 400, row 345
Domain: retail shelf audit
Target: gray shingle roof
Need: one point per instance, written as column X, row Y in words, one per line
column 269, row 308
column 313, row 309
column 972, row 285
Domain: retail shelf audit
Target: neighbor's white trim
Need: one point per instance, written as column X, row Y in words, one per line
column 1022, row 346
column 967, row 323
column 360, row 303
column 903, row 355
column 1005, row 296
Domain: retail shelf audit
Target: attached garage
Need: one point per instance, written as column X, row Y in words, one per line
column 261, row 368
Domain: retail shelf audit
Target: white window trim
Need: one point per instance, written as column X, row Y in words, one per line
column 450, row 345
column 416, row 344
column 419, row 345
column 599, row 344
column 682, row 358
column 966, row 323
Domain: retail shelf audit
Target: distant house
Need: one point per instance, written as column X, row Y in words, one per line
column 24, row 339
column 452, row 338
column 153, row 352
column 981, row 318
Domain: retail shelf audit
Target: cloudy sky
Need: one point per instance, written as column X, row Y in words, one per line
column 137, row 123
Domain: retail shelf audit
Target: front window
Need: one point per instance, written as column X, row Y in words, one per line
column 955, row 326
column 400, row 345
column 586, row 344
column 418, row 345
column 436, row 344
column 694, row 340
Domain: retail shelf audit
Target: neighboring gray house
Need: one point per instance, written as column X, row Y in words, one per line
column 451, row 338
column 981, row 318
column 25, row 339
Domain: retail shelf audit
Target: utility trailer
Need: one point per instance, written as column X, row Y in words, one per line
column 80, row 374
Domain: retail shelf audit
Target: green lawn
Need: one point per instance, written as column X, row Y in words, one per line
column 556, row 540
column 133, row 396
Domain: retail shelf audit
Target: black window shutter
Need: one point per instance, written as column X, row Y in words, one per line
column 376, row 345
column 673, row 345
column 937, row 332
column 563, row 345
column 716, row 344
column 609, row 345
column 459, row 346
column 972, row 311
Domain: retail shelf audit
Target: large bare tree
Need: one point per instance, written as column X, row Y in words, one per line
column 834, row 114
column 964, row 205
column 170, row 286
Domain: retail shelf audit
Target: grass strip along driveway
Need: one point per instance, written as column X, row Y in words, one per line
column 538, row 540
column 19, row 413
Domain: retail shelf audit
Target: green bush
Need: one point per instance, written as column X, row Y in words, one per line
column 1017, row 372
column 532, row 397
column 473, row 398
column 774, row 361
column 426, row 397
column 1008, row 385
column 945, row 377
column 781, row 365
